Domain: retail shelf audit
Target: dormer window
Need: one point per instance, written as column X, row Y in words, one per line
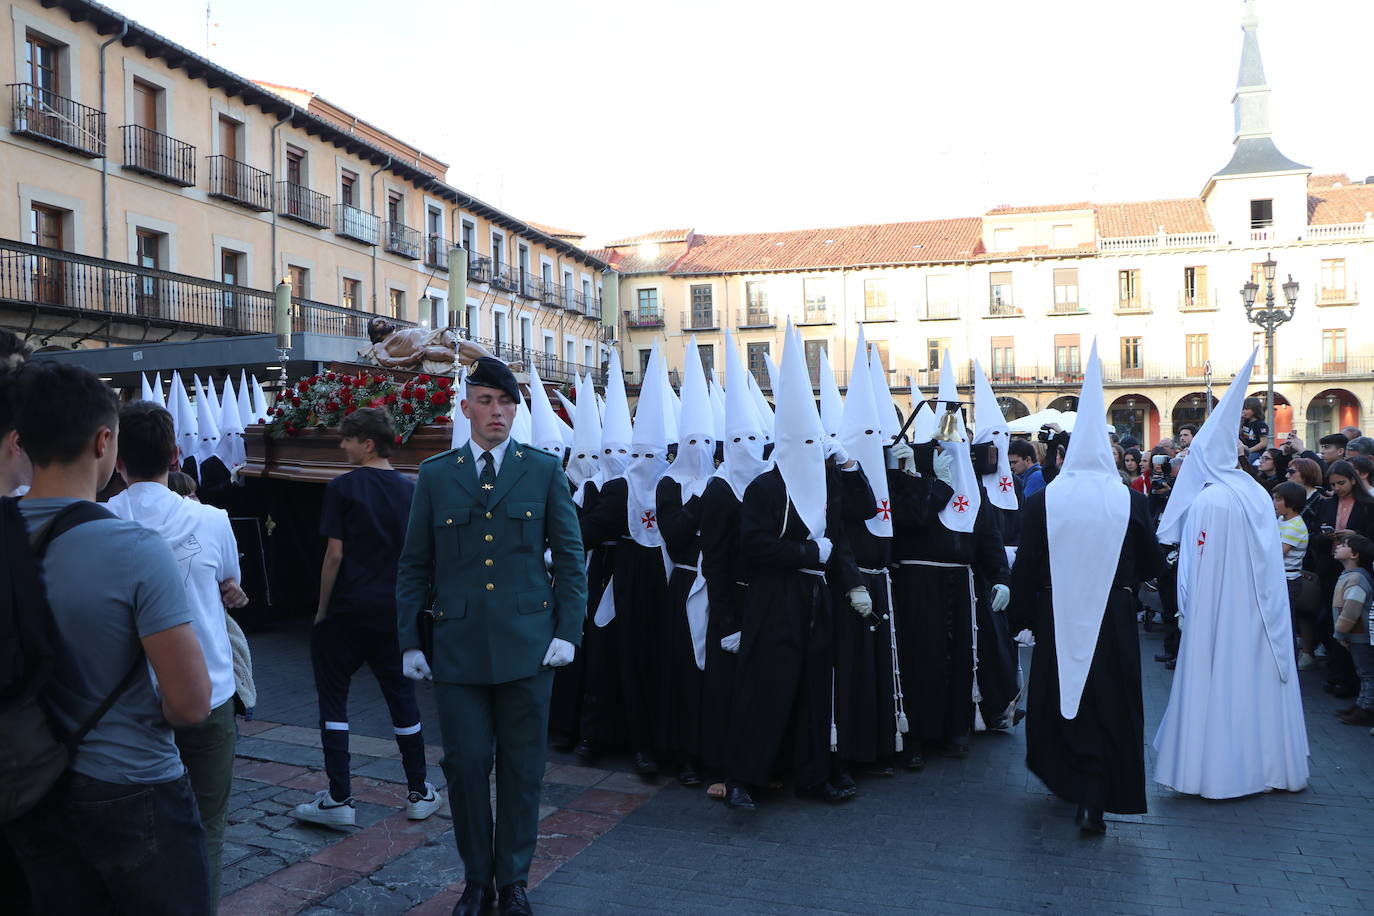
column 1261, row 214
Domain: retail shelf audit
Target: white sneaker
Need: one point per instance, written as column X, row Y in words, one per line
column 1306, row 662
column 419, row 807
column 325, row 810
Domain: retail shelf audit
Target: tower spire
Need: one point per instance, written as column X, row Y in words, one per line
column 1255, row 149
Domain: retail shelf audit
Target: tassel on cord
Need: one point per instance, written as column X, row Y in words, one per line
column 978, row 724
column 898, row 704
column 834, row 732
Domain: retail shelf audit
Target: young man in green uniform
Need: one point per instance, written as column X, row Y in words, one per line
column 481, row 520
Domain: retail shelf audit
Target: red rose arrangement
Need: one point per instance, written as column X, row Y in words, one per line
column 324, row 400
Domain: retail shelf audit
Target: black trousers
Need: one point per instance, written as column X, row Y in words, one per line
column 339, row 646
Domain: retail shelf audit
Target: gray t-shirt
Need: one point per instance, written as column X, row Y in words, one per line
column 109, row 583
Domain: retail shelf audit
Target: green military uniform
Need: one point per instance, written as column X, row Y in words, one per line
column 478, row 555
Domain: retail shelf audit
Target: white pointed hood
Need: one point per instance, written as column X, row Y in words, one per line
column 696, row 443
column 961, row 512
column 888, row 420
column 992, row 427
column 544, row 427
column 717, row 406
column 774, row 379
column 615, row 424
column 568, row 406
column 145, row 391
column 207, row 429
column 744, row 434
column 462, row 426
column 260, row 405
column 648, row 454
column 862, row 439
column 761, row 406
column 231, row 448
column 1085, row 504
column 213, row 396
column 158, row 399
column 183, row 418
column 245, row 400
column 799, row 452
column 1211, row 462
column 584, row 463
column 522, row 427
column 832, row 405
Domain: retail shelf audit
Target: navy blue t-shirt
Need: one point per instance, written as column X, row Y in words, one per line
column 367, row 509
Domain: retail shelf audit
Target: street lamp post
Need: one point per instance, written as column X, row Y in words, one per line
column 1269, row 316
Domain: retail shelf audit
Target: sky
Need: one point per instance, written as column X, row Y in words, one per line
column 614, row 117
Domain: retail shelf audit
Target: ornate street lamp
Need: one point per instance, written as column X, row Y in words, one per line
column 1269, row 316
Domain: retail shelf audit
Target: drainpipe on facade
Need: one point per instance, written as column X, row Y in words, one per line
column 277, row 267
column 372, row 193
column 105, row 164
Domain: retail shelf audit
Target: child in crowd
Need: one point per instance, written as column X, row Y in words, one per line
column 1352, row 603
column 1289, row 499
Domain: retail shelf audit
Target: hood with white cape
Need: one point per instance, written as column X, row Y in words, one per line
column 261, row 407
column 615, row 424
column 546, row 431
column 832, row 405
column 889, row 421
column 1252, row 550
column 863, row 440
column 462, row 426
column 717, row 406
column 696, row 443
column 961, row 512
column 992, row 427
column 230, row 449
column 744, row 435
column 761, row 405
column 245, row 401
column 648, row 454
column 207, row 426
column 799, row 452
column 183, row 418
column 584, row 464
column 1086, row 511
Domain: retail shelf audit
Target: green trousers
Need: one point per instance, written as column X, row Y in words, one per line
column 508, row 724
column 207, row 751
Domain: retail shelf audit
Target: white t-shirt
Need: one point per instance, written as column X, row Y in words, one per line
column 206, row 552
column 1293, row 532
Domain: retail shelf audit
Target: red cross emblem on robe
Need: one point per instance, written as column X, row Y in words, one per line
column 884, row 510
column 961, row 503
column 1004, row 484
column 648, row 519
column 1201, row 539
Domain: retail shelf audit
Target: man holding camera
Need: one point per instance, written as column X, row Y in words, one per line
column 1021, row 455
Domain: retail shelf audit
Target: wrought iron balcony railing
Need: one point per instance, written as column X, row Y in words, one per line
column 159, row 155
column 400, row 239
column 436, row 252
column 552, row 294
column 296, row 201
column 645, row 318
column 352, row 223
column 700, row 320
column 52, row 118
column 505, row 277
column 240, row 183
column 479, row 270
column 755, row 317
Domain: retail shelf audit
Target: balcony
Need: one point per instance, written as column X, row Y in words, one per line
column 240, row 183
column 436, row 252
column 479, row 270
column 1134, row 305
column 1073, row 307
column 816, row 313
column 591, row 307
column 1198, row 301
column 63, row 122
column 941, row 311
column 505, row 278
column 62, row 283
column 644, row 318
column 528, row 285
column 1160, row 240
column 755, row 316
column 1001, row 307
column 355, row 224
column 1346, row 295
column 297, row 202
column 400, row 239
column 879, row 312
column 552, row 294
column 159, row 156
column 701, row 320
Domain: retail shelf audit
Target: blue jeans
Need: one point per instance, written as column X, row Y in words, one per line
column 1362, row 653
column 98, row 847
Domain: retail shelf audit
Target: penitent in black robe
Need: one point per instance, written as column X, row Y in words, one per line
column 641, row 601
column 679, row 731
column 783, row 679
column 1097, row 758
column 727, row 581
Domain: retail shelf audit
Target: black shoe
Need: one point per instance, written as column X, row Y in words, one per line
column 956, row 750
column 1163, row 657
column 1345, row 693
column 585, row 752
column 738, row 797
column 688, row 776
column 913, row 760
column 476, row 900
column 645, row 764
column 841, row 780
column 513, row 900
column 1089, row 820
column 825, row 792
column 1169, row 665
column 1017, row 716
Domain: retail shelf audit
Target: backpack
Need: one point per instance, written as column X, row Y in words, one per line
column 34, row 752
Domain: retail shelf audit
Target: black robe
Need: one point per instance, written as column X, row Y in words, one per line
column 726, row 583
column 1097, row 758
column 997, row 658
column 679, row 731
column 641, row 601
column 935, row 613
column 783, row 678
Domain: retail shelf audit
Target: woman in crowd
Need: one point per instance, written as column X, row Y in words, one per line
column 1365, row 468
column 1270, row 469
column 1350, row 509
column 1133, row 464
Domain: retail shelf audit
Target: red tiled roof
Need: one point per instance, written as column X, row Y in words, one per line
column 1328, row 181
column 556, row 232
column 845, row 246
column 1001, row 209
column 1144, row 217
column 1038, row 251
column 1332, row 206
column 660, row 235
column 629, row 260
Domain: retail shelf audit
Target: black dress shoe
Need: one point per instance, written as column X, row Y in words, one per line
column 1089, row 820
column 513, row 900
column 841, row 780
column 688, row 776
column 476, row 900
column 913, row 760
column 645, row 764
column 585, row 752
column 738, row 797
column 825, row 792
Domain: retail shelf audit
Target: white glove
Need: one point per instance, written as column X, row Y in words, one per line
column 944, row 466
column 1025, row 638
column 731, row 644
column 548, row 560
column 860, row 600
column 825, row 547
column 835, row 451
column 560, row 653
column 1001, row 597
column 900, row 452
column 414, row 666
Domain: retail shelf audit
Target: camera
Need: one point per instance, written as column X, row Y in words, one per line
column 1159, row 483
column 1044, row 434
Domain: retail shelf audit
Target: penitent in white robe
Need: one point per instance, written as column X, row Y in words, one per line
column 1234, row 725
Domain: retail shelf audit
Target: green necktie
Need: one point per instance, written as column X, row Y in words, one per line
column 488, row 478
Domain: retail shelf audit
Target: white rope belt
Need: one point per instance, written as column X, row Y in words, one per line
column 813, row 572
column 933, row 563
column 872, row 572
column 973, row 628
column 686, row 567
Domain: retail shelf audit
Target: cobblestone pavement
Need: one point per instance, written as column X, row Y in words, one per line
column 979, row 835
